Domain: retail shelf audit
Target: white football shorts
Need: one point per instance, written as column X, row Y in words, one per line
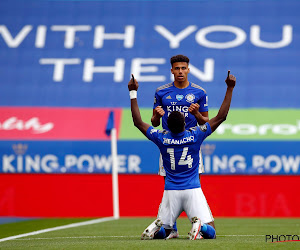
column 192, row 201
column 162, row 171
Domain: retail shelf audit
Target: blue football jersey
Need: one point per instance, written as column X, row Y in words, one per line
column 172, row 99
column 180, row 153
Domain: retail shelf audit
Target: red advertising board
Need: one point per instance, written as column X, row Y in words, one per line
column 28, row 123
column 45, row 195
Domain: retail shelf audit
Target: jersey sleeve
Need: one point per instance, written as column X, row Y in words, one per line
column 203, row 131
column 157, row 100
column 152, row 134
column 203, row 103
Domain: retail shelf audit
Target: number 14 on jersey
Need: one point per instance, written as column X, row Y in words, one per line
column 184, row 159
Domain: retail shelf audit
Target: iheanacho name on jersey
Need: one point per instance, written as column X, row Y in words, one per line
column 181, row 141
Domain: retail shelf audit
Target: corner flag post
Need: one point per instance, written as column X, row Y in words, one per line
column 111, row 130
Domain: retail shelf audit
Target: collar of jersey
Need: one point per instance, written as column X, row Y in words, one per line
column 183, row 88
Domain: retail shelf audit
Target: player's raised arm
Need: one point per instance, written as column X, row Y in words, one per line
column 135, row 111
column 223, row 111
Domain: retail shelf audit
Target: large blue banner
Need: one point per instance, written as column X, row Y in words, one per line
column 141, row 157
column 81, row 53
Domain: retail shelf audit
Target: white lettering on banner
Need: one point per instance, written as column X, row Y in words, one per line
column 6, row 164
column 129, row 35
column 48, row 163
column 29, row 164
column 72, row 34
column 104, row 162
column 287, row 37
column 90, row 69
column 137, row 69
column 239, row 33
column 32, row 165
column 70, row 31
column 40, row 39
column 84, row 163
column 237, row 164
column 32, row 124
column 134, row 162
column 219, row 163
column 19, row 164
column 208, row 74
column 251, row 129
column 14, row 42
column 237, row 161
column 118, row 69
column 175, row 40
column 241, row 36
column 85, row 160
column 276, row 163
column 100, row 35
column 59, row 66
column 121, row 163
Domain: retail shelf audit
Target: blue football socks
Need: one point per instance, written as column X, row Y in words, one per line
column 175, row 226
column 161, row 234
column 208, row 232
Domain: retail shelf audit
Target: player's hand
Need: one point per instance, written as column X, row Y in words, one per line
column 158, row 112
column 194, row 108
column 133, row 84
column 230, row 80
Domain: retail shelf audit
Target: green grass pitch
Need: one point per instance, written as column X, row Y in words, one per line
column 232, row 233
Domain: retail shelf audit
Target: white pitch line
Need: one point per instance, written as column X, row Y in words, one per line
column 78, row 224
column 85, row 237
column 121, row 236
column 236, row 235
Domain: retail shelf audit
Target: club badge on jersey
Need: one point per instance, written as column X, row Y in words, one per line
column 190, row 98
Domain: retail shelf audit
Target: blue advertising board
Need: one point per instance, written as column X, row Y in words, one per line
column 134, row 157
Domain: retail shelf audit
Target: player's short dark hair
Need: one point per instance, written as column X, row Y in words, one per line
column 176, row 122
column 179, row 58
